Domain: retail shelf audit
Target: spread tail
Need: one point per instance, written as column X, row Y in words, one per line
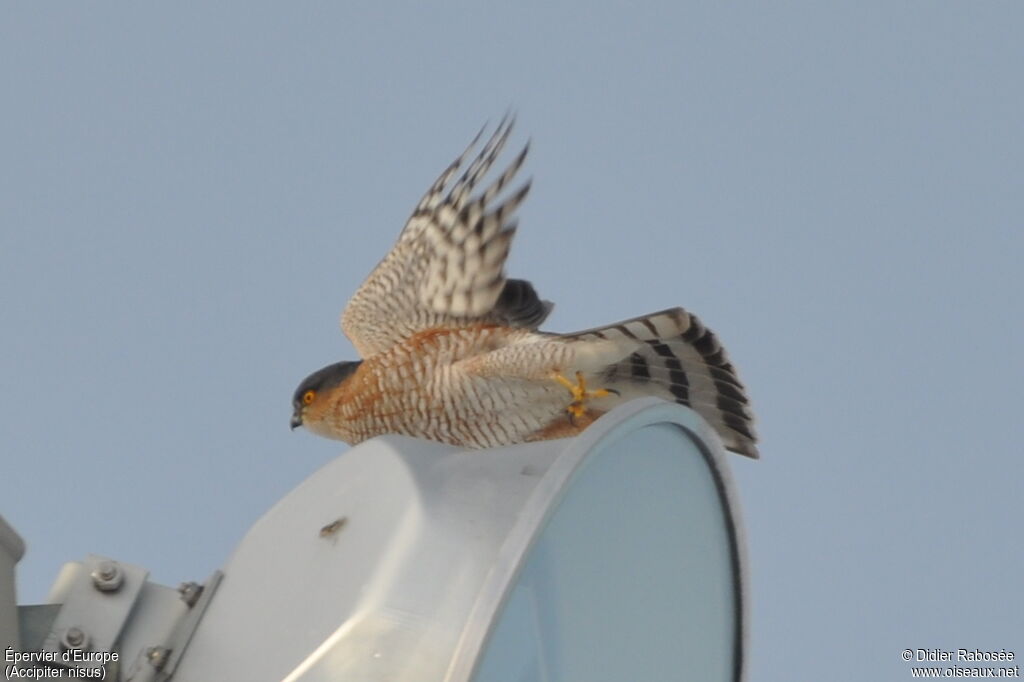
column 670, row 354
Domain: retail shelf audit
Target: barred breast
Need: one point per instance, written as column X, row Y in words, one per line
column 417, row 388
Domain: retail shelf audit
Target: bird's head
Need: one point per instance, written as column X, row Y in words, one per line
column 312, row 399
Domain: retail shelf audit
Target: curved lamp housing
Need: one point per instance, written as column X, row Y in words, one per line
column 615, row 555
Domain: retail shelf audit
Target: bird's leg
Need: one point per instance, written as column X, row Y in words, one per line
column 580, row 394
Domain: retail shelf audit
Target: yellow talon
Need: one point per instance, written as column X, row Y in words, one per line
column 573, row 388
column 580, row 394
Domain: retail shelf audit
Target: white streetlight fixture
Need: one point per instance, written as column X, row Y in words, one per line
column 616, row 555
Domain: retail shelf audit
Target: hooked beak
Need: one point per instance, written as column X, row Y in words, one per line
column 296, row 419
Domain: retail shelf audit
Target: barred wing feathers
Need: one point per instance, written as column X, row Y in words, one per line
column 447, row 268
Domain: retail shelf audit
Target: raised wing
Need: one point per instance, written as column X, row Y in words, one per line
column 447, row 268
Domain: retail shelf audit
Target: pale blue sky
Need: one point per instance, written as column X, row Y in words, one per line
column 189, row 195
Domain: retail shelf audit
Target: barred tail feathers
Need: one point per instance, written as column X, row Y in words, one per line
column 670, row 354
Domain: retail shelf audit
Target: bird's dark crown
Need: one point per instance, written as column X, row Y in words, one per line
column 326, row 378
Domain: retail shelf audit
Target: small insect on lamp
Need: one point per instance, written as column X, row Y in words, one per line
column 615, row 555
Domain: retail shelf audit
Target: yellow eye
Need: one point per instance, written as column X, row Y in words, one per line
column 308, row 397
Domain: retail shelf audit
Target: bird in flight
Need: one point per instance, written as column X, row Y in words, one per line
column 452, row 351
